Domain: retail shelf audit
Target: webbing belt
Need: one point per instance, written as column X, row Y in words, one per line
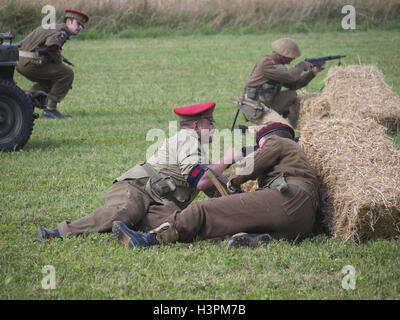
column 27, row 54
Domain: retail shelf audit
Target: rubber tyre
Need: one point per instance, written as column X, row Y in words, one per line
column 16, row 117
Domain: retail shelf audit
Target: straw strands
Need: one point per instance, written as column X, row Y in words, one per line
column 357, row 163
column 359, row 92
column 353, row 92
column 312, row 106
column 360, row 168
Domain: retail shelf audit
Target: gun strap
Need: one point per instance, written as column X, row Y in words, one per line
column 217, row 183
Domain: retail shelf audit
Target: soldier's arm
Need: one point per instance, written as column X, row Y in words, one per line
column 52, row 46
column 263, row 160
column 281, row 74
column 301, row 82
column 229, row 157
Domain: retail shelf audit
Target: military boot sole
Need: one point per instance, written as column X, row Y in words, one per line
column 121, row 235
column 42, row 234
column 249, row 240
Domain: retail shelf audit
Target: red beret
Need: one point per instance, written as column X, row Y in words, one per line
column 196, row 111
column 76, row 12
column 274, row 127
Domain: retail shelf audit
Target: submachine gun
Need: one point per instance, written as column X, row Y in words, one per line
column 318, row 62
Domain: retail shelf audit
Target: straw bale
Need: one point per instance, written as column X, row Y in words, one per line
column 359, row 168
column 359, row 92
column 249, row 186
column 312, row 106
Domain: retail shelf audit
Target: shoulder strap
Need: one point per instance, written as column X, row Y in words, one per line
column 153, row 174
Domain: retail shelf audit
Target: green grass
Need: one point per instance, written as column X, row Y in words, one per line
column 122, row 89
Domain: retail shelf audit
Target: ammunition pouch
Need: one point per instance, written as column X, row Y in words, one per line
column 163, row 189
column 251, row 109
column 279, row 182
column 268, row 91
column 252, row 93
column 157, row 186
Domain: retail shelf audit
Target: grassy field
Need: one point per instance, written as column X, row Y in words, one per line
column 122, row 89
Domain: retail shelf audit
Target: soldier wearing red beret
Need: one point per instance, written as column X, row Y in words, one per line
column 284, row 206
column 41, row 60
column 168, row 181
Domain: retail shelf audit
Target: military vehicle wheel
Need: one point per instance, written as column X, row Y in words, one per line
column 16, row 117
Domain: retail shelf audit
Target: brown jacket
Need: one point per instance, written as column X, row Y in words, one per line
column 41, row 38
column 267, row 69
column 279, row 155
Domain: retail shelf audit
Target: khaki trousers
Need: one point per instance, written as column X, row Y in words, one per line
column 288, row 216
column 53, row 78
column 283, row 100
column 125, row 201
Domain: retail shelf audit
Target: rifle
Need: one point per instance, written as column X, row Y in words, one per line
column 318, row 62
column 67, row 61
column 234, row 120
column 217, row 179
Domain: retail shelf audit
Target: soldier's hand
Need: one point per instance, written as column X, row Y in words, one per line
column 317, row 70
column 307, row 66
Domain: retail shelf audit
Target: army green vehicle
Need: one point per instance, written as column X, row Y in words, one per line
column 16, row 106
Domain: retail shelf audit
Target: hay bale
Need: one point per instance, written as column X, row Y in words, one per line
column 312, row 106
column 359, row 92
column 249, row 186
column 360, row 167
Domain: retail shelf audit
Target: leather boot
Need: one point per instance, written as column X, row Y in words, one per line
column 54, row 114
column 132, row 239
column 252, row 240
column 43, row 233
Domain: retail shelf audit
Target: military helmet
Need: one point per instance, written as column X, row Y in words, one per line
column 286, row 47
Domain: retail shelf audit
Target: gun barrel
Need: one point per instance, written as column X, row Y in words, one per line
column 318, row 62
column 332, row 57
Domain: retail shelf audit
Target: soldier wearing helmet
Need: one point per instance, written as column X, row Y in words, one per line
column 41, row 60
column 270, row 75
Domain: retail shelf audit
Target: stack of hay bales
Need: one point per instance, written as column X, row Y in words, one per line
column 344, row 134
column 359, row 92
column 354, row 92
column 360, row 168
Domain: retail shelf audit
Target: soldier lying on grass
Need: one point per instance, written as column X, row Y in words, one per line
column 168, row 182
column 284, row 206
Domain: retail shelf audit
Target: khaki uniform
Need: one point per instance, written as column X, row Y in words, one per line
column 46, row 70
column 289, row 214
column 133, row 198
column 266, row 81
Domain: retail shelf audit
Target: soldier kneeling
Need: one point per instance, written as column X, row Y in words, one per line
column 268, row 77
